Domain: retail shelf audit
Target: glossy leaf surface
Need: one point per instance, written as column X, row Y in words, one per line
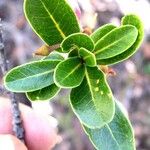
column 102, row 31
column 115, row 42
column 92, row 101
column 69, row 73
column 127, row 20
column 116, row 135
column 46, row 93
column 88, row 57
column 31, row 76
column 76, row 41
column 52, row 20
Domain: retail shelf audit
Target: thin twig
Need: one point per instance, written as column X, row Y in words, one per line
column 3, row 63
column 17, row 122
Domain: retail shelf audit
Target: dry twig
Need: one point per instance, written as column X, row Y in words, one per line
column 17, row 122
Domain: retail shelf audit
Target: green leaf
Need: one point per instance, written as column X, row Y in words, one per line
column 115, row 42
column 135, row 21
column 127, row 20
column 102, row 31
column 52, row 20
column 116, row 135
column 69, row 73
column 54, row 56
column 73, row 53
column 46, row 93
column 31, row 76
column 88, row 57
column 92, row 101
column 76, row 41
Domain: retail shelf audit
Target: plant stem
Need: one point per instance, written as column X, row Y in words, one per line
column 16, row 115
column 3, row 63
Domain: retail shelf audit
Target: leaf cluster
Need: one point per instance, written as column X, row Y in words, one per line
column 91, row 97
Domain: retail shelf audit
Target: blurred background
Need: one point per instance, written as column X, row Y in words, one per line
column 130, row 85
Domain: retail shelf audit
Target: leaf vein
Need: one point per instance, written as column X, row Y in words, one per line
column 54, row 21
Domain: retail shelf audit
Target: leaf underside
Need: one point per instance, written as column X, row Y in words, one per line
column 116, row 135
column 46, row 93
column 31, row 76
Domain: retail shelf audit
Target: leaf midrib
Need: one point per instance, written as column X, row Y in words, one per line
column 54, row 21
column 72, row 71
column 89, row 55
column 31, row 76
column 113, row 135
column 99, row 51
column 88, row 81
column 91, row 91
